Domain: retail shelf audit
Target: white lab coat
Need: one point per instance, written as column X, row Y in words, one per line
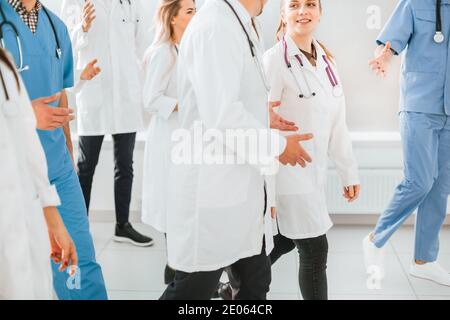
column 301, row 192
column 111, row 103
column 25, row 271
column 216, row 212
column 160, row 100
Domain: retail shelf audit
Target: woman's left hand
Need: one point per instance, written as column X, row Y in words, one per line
column 351, row 193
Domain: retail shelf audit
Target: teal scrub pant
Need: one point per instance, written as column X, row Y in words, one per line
column 426, row 186
column 87, row 283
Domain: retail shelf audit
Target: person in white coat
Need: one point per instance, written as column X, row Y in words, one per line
column 28, row 215
column 160, row 100
column 114, row 32
column 219, row 211
column 306, row 89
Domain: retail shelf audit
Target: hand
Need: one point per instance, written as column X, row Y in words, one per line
column 277, row 122
column 273, row 212
column 88, row 15
column 351, row 193
column 48, row 117
column 63, row 250
column 294, row 153
column 90, row 71
column 380, row 64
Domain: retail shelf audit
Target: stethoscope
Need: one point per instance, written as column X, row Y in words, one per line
column 439, row 36
column 252, row 48
column 337, row 88
column 6, row 23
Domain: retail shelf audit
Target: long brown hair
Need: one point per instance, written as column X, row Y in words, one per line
column 281, row 31
column 5, row 59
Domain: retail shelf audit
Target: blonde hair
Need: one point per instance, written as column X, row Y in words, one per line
column 167, row 10
column 281, row 31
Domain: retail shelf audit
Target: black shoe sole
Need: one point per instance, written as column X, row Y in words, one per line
column 128, row 240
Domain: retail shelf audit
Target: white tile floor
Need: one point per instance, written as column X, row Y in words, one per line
column 137, row 273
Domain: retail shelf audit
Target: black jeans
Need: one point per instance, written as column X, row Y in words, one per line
column 89, row 150
column 313, row 253
column 254, row 273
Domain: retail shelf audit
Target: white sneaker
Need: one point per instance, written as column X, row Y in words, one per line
column 373, row 258
column 432, row 271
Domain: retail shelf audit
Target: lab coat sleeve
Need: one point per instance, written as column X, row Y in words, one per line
column 158, row 71
column 72, row 15
column 341, row 149
column 274, row 76
column 78, row 85
column 36, row 160
column 215, row 73
column 399, row 27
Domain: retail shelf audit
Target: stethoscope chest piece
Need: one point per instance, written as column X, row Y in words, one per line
column 439, row 37
column 10, row 109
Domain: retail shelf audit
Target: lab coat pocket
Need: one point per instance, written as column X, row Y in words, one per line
column 297, row 180
column 90, row 96
column 222, row 186
column 127, row 30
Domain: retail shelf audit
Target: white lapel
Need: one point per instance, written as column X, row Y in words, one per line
column 320, row 72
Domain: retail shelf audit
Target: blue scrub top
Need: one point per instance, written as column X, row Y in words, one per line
column 425, row 72
column 46, row 76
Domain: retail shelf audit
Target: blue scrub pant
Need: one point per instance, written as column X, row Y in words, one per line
column 426, row 187
column 88, row 283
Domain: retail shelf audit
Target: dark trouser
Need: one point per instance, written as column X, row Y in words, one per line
column 312, row 276
column 89, row 149
column 254, row 273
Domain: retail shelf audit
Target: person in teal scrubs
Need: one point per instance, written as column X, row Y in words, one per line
column 47, row 71
column 421, row 28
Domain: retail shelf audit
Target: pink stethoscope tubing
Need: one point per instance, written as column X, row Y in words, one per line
column 337, row 90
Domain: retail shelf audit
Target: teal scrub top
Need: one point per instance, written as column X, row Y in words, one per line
column 46, row 76
column 425, row 79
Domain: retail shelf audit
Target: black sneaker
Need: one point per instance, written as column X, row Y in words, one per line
column 126, row 233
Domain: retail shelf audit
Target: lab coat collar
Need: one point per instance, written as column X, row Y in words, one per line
column 241, row 11
column 293, row 50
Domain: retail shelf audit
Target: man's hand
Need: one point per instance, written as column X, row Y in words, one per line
column 294, row 153
column 380, row 64
column 48, row 117
column 88, row 15
column 277, row 122
column 90, row 71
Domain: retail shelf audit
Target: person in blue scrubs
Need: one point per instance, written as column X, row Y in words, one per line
column 425, row 130
column 45, row 75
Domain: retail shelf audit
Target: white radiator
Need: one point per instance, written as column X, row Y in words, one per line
column 377, row 188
